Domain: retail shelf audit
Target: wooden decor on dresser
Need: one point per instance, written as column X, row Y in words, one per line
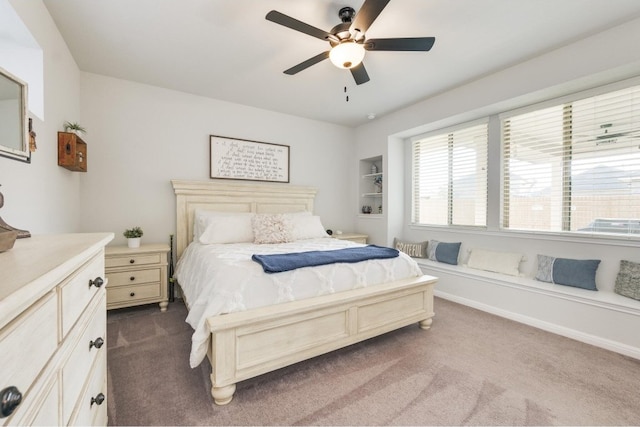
column 53, row 331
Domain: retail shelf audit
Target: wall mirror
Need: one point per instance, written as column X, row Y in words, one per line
column 14, row 142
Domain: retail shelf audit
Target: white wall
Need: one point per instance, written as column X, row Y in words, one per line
column 140, row 137
column 43, row 197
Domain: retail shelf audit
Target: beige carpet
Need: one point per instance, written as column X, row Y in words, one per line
column 471, row 368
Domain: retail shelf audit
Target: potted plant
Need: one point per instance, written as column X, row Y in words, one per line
column 74, row 128
column 133, row 236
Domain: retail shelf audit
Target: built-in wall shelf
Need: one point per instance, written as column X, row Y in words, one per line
column 72, row 152
column 371, row 186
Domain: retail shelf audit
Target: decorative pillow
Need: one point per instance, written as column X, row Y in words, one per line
column 579, row 273
column 223, row 227
column 413, row 249
column 271, row 228
column 443, row 252
column 628, row 280
column 306, row 227
column 499, row 262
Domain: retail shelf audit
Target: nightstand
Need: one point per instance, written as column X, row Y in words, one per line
column 136, row 276
column 354, row 237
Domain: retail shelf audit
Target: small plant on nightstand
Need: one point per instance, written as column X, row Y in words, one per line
column 133, row 236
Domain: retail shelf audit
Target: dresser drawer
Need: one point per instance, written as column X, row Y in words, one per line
column 132, row 260
column 91, row 409
column 76, row 369
column 76, row 293
column 26, row 345
column 133, row 277
column 133, row 293
column 47, row 413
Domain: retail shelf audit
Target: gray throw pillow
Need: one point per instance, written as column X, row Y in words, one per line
column 413, row 249
column 628, row 280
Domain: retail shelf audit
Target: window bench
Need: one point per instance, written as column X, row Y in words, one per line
column 602, row 318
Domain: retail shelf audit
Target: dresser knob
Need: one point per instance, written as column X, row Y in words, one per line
column 131, row 261
column 10, row 398
column 99, row 342
column 97, row 282
column 98, row 399
column 132, row 278
column 132, row 294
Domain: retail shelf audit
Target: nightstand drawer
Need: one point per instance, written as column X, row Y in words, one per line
column 132, row 260
column 133, row 293
column 133, row 277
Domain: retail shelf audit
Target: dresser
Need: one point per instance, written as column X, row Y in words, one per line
column 137, row 275
column 53, row 349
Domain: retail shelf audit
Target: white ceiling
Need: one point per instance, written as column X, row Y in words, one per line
column 225, row 49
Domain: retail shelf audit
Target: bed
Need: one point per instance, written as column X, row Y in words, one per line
column 250, row 342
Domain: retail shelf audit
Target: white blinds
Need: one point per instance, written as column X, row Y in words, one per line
column 450, row 178
column 574, row 166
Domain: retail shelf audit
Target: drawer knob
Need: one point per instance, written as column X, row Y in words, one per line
column 132, row 261
column 132, row 294
column 98, row 400
column 99, row 342
column 132, row 278
column 97, row 282
column 11, row 398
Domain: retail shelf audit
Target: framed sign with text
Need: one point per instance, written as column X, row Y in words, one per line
column 232, row 158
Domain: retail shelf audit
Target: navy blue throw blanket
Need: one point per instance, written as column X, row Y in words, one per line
column 278, row 263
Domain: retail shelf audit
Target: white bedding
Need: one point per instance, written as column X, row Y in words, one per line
column 222, row 278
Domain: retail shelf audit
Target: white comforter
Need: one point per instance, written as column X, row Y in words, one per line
column 222, row 279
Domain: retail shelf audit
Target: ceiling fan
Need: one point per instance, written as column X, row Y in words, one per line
column 348, row 41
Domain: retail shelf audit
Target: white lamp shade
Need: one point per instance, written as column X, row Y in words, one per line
column 347, row 54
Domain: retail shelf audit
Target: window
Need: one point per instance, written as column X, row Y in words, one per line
column 574, row 167
column 450, row 177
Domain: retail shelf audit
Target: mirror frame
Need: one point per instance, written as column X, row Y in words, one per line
column 24, row 154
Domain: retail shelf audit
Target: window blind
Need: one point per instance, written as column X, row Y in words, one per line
column 450, row 178
column 574, row 167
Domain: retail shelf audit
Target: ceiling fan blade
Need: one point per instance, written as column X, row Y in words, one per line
column 306, row 64
column 367, row 14
column 401, row 44
column 359, row 74
column 294, row 24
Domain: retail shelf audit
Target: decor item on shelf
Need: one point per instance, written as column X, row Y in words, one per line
column 133, row 236
column 374, row 168
column 378, row 183
column 21, row 234
column 74, row 127
column 366, row 209
column 380, row 209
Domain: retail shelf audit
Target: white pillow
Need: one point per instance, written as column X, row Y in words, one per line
column 499, row 262
column 307, row 227
column 223, row 227
column 272, row 228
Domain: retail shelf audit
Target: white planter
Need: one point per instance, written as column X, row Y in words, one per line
column 133, row 242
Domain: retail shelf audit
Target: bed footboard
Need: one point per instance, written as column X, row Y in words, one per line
column 253, row 342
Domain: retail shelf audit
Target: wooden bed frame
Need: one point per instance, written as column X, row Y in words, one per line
column 250, row 343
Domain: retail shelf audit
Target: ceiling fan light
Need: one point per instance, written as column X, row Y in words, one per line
column 347, row 54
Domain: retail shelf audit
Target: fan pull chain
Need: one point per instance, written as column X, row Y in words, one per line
column 345, row 91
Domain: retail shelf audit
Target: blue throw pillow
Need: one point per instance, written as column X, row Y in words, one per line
column 444, row 252
column 579, row 273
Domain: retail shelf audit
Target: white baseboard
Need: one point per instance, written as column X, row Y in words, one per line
column 546, row 326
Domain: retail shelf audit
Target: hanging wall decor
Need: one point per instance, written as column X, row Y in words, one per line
column 232, row 158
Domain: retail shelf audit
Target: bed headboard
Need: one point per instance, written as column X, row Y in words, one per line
column 234, row 197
